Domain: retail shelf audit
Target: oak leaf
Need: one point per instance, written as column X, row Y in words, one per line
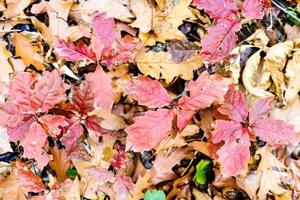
column 218, row 9
column 70, row 52
column 28, row 51
column 153, row 127
column 33, row 145
column 19, row 183
column 147, row 92
column 220, row 40
column 181, row 50
column 53, row 124
column 101, row 87
column 204, row 91
column 253, row 9
column 156, row 64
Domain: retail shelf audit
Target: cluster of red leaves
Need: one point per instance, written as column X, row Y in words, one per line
column 221, row 38
column 239, row 126
column 105, row 47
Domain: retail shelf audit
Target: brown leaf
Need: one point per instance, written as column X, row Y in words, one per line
column 60, row 163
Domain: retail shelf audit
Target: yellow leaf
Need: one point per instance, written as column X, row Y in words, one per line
column 292, row 74
column 252, row 76
column 274, row 63
column 156, row 64
column 143, row 13
column 167, row 20
column 27, row 51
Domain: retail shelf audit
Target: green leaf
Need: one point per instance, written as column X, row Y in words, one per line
column 202, row 169
column 155, row 195
column 72, row 173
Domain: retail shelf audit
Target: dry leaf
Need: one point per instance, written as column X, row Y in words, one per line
column 28, row 51
column 292, row 72
column 156, row 64
column 5, row 68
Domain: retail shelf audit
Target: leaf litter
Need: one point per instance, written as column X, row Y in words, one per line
column 149, row 99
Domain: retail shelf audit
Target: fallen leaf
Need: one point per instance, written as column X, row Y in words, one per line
column 6, row 69
column 153, row 127
column 143, row 13
column 218, row 9
column 291, row 73
column 156, row 64
column 253, row 9
column 181, row 50
column 28, row 51
column 220, row 40
column 147, row 92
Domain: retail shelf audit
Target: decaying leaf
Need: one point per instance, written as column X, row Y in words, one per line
column 181, row 50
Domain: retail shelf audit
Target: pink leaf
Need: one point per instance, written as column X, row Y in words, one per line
column 70, row 52
column 101, row 87
column 10, row 115
column 260, row 109
column 275, row 132
column 99, row 174
column 103, row 28
column 70, row 140
column 234, row 156
column 19, row 132
column 183, row 118
column 83, row 98
column 218, row 9
column 50, row 90
column 93, row 123
column 220, row 40
column 227, row 131
column 34, row 142
column 122, row 186
column 124, row 52
column 204, row 91
column 147, row 92
column 53, row 124
column 235, row 106
column 153, row 127
column 253, row 9
column 20, row 90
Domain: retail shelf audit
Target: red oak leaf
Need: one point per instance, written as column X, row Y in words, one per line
column 49, row 90
column 33, row 145
column 253, row 9
column 70, row 52
column 234, row 156
column 220, row 40
column 122, row 186
column 82, row 98
column 10, row 115
column 275, row 132
column 21, row 91
column 124, row 52
column 103, row 27
column 244, row 124
column 218, row 9
column 227, row 131
column 71, row 139
column 147, row 92
column 53, row 124
column 204, row 91
column 152, row 127
column 19, row 132
column 235, row 106
column 101, row 87
column 183, row 118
